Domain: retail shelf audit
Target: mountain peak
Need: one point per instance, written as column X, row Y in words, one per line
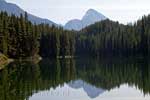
column 91, row 16
column 91, row 11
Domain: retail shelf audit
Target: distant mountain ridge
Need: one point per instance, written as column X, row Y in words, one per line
column 91, row 17
column 11, row 8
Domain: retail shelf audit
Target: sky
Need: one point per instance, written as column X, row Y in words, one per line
column 61, row 11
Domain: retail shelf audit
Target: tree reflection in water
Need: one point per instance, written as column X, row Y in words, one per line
column 20, row 80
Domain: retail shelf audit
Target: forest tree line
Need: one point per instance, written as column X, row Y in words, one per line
column 19, row 38
column 111, row 38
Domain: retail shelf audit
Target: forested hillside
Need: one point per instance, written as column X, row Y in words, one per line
column 111, row 38
column 19, row 38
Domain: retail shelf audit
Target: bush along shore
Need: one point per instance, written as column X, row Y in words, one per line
column 4, row 60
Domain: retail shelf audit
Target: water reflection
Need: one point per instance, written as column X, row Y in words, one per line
column 82, row 79
column 91, row 90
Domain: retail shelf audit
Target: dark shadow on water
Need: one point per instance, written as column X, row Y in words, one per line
column 20, row 80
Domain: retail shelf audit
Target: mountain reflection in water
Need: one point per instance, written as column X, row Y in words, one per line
column 82, row 79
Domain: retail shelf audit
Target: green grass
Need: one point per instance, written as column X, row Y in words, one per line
column 3, row 60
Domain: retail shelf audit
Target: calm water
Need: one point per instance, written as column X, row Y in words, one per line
column 80, row 79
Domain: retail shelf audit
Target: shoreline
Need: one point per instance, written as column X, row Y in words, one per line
column 4, row 60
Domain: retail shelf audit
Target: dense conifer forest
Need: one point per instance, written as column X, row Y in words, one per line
column 19, row 38
column 111, row 38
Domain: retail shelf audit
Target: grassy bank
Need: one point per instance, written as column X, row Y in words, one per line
column 3, row 60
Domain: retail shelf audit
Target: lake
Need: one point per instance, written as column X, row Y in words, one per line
column 77, row 79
